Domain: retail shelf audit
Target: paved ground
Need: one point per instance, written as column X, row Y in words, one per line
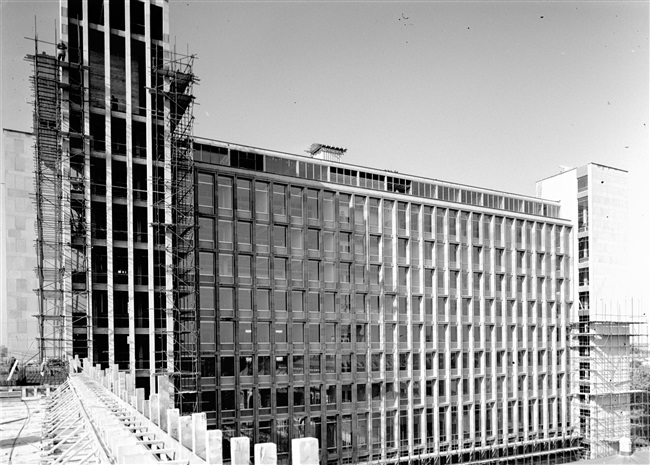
column 20, row 430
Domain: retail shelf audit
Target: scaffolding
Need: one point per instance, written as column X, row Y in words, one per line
column 61, row 245
column 175, row 223
column 609, row 347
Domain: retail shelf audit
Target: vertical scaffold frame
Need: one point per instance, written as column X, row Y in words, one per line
column 172, row 105
column 60, row 159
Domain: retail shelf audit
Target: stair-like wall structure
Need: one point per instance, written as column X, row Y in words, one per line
column 150, row 428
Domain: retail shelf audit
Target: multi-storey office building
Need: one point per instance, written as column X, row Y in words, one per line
column 392, row 317
column 607, row 327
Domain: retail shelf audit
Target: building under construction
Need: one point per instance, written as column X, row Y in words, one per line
column 114, row 194
column 608, row 331
column 396, row 318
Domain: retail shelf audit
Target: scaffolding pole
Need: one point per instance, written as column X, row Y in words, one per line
column 609, row 348
column 60, row 201
column 175, row 224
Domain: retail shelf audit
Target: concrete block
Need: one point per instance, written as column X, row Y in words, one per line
column 266, row 453
column 173, row 423
column 200, row 430
column 139, row 394
column 131, row 454
column 185, row 432
column 240, row 451
column 214, row 447
column 121, row 384
column 153, row 409
column 625, row 446
column 304, row 451
column 165, row 399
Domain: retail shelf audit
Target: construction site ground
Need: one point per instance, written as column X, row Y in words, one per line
column 21, row 423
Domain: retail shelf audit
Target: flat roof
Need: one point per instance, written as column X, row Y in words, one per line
column 381, row 171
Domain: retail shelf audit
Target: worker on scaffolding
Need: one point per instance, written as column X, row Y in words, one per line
column 61, row 51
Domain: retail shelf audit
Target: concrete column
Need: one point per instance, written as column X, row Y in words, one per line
column 146, row 410
column 173, row 423
column 266, row 454
column 199, row 430
column 214, row 447
column 304, row 451
column 185, row 433
column 240, row 451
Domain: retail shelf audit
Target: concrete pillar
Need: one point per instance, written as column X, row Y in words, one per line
column 139, row 395
column 153, row 409
column 214, row 447
column 121, row 384
column 625, row 446
column 266, row 454
column 304, row 451
column 164, row 403
column 240, row 451
column 199, row 436
column 173, row 423
column 115, row 378
column 185, row 433
column 146, row 408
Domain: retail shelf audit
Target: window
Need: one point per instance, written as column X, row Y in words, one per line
column 280, row 268
column 296, row 202
column 279, row 200
column 261, row 199
column 345, row 243
column 583, row 183
column 328, row 206
column 344, row 208
column 206, row 193
column 583, row 249
column 280, row 237
column 243, row 195
column 224, row 195
column 583, row 214
column 225, row 234
column 583, row 277
column 312, row 204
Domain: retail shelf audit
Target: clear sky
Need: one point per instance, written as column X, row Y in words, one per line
column 494, row 94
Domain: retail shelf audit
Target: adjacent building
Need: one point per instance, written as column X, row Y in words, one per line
column 391, row 316
column 606, row 326
column 18, row 305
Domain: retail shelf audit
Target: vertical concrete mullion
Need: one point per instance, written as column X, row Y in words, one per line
column 87, row 190
column 129, row 184
column 66, row 343
column 109, row 185
column 151, row 203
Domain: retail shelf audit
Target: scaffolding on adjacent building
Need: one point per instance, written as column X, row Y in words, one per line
column 609, row 347
column 60, row 203
column 173, row 107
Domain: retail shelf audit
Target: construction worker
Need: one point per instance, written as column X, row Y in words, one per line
column 61, row 51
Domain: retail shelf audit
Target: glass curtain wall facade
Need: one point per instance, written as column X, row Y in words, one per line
column 384, row 323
